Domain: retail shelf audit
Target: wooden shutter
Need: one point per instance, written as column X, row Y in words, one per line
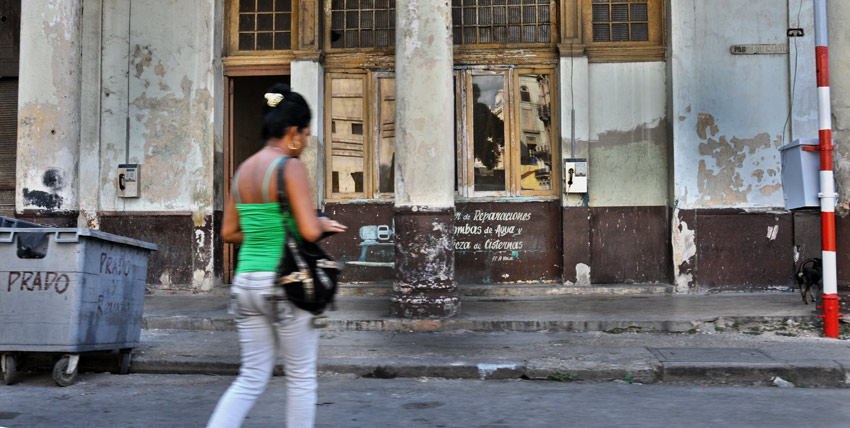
column 10, row 42
column 8, row 142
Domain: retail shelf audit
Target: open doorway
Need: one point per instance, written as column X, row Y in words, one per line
column 244, row 123
column 247, row 114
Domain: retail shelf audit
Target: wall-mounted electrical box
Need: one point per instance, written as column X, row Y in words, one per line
column 575, row 175
column 128, row 180
column 801, row 173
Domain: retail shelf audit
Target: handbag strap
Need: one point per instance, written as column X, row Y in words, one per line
column 282, row 198
column 289, row 238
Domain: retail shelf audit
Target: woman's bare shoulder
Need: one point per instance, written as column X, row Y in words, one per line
column 257, row 160
column 294, row 166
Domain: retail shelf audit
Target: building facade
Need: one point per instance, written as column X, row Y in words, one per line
column 586, row 142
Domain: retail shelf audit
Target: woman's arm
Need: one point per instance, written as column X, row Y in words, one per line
column 302, row 205
column 230, row 230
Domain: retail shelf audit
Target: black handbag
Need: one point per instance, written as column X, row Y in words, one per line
column 306, row 272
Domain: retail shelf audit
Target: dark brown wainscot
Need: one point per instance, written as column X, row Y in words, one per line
column 495, row 242
column 508, row 242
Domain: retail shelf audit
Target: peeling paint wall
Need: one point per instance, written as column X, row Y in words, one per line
column 684, row 252
column 728, row 110
column 169, row 104
column 839, row 60
column 49, row 105
column 575, row 120
column 628, row 136
column 801, row 65
column 159, row 64
column 308, row 80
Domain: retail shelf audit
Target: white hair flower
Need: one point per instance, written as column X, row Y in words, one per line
column 273, row 99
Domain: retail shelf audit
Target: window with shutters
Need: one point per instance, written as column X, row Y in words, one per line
column 362, row 24
column 358, row 24
column 620, row 21
column 502, row 22
column 360, row 120
column 507, row 132
column 261, row 26
column 615, row 30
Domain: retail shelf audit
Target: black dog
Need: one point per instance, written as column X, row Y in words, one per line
column 810, row 278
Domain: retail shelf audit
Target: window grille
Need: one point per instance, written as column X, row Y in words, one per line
column 265, row 25
column 501, row 21
column 620, row 21
column 362, row 23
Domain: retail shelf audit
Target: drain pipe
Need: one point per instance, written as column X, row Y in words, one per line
column 827, row 193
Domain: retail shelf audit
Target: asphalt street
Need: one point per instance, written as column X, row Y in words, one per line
column 138, row 400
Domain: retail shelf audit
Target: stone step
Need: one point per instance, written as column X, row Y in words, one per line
column 523, row 290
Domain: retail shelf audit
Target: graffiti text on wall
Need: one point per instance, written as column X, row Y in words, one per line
column 485, row 231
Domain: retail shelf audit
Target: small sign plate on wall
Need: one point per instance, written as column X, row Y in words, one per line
column 763, row 49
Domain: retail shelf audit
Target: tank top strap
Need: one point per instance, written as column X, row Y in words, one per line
column 268, row 178
column 236, row 188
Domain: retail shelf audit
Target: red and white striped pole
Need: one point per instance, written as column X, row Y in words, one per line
column 827, row 184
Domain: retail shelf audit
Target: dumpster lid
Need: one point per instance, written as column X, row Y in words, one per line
column 72, row 235
column 801, row 142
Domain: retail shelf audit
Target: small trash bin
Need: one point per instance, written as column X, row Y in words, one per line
column 67, row 291
column 800, row 174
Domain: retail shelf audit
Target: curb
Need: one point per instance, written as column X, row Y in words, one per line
column 400, row 325
column 824, row 374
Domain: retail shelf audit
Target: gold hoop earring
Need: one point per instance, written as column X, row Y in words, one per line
column 296, row 147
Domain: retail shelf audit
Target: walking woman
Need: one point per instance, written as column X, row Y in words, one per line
column 252, row 218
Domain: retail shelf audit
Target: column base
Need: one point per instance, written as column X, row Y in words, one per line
column 424, row 284
column 424, row 305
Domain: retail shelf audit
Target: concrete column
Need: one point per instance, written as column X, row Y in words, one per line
column 425, row 162
column 802, row 84
column 575, row 134
column 49, row 106
column 89, row 165
column 308, row 80
column 838, row 12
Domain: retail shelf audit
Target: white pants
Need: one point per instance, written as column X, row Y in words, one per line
column 262, row 332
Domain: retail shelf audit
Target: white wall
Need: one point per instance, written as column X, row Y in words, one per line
column 839, row 65
column 728, row 110
column 49, row 105
column 168, row 96
column 628, row 137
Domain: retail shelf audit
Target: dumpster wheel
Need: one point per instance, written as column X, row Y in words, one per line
column 9, row 369
column 124, row 361
column 60, row 369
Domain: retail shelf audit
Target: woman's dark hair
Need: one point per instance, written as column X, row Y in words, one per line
column 292, row 110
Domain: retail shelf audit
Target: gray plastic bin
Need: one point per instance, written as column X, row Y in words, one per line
column 13, row 222
column 69, row 291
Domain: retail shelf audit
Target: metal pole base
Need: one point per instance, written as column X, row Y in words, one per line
column 830, row 315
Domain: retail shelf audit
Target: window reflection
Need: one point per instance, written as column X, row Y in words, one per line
column 347, row 136
column 535, row 127
column 386, row 148
column 488, row 132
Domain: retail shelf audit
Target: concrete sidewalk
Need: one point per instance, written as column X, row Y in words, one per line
column 575, row 313
column 707, row 339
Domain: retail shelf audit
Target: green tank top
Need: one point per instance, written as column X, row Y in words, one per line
column 263, row 229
